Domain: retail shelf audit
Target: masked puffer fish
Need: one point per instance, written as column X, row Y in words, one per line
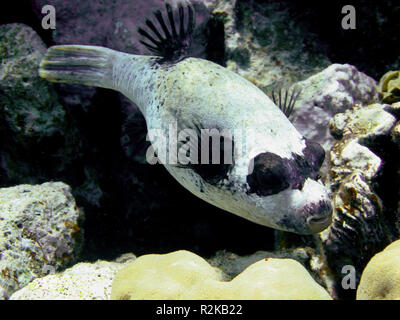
column 273, row 182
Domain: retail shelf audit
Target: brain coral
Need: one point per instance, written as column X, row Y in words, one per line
column 381, row 277
column 184, row 275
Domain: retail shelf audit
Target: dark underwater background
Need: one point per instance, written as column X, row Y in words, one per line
column 80, row 136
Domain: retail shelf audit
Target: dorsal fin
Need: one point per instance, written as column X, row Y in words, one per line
column 285, row 98
column 173, row 46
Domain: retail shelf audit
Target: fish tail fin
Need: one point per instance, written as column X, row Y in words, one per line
column 87, row 65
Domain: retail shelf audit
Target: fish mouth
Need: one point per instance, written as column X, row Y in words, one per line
column 318, row 224
column 319, row 215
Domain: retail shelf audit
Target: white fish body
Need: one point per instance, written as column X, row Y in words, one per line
column 197, row 94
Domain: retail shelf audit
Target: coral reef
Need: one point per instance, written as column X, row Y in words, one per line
column 40, row 232
column 362, row 175
column 184, row 275
column 365, row 206
column 380, row 279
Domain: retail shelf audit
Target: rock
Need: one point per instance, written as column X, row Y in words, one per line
column 361, row 165
column 232, row 264
column 380, row 279
column 396, row 130
column 389, row 87
column 38, row 142
column 44, row 140
column 83, row 281
column 333, row 90
column 29, row 103
column 184, row 275
column 264, row 44
column 363, row 122
column 40, row 232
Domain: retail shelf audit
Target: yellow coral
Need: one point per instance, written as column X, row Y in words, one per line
column 381, row 277
column 389, row 87
column 184, row 275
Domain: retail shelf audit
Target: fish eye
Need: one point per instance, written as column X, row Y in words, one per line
column 269, row 176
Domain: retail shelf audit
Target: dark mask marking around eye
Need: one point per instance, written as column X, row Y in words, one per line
column 269, row 175
column 273, row 174
column 314, row 153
